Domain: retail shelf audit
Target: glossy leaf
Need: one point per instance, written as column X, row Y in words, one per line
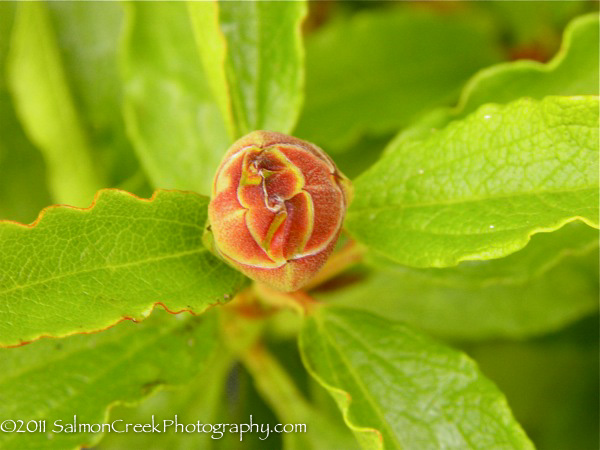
column 379, row 70
column 84, row 376
column 399, row 389
column 37, row 79
column 77, row 271
column 171, row 115
column 550, row 283
column 253, row 56
column 479, row 188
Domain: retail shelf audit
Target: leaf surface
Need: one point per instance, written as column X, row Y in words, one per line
column 550, row 283
column 84, row 270
column 84, row 376
column 399, row 389
column 45, row 105
column 480, row 187
column 379, row 70
column 171, row 115
column 253, row 56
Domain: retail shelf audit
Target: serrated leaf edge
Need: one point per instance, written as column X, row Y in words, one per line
column 97, row 196
column 344, row 396
column 145, row 314
column 547, row 67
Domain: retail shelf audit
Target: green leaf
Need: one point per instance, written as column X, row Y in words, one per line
column 382, row 68
column 45, row 105
column 23, row 190
column 573, row 71
column 89, row 35
column 550, row 283
column 399, row 389
column 84, row 270
column 84, row 376
column 171, row 115
column 479, row 188
column 252, row 53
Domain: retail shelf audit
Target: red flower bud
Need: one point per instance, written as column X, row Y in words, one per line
column 277, row 208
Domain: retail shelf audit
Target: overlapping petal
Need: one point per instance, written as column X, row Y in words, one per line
column 277, row 208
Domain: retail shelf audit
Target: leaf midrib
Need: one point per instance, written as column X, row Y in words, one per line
column 100, row 373
column 352, row 210
column 359, row 382
column 107, row 267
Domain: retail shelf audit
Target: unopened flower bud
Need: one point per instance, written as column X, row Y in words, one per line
column 277, row 208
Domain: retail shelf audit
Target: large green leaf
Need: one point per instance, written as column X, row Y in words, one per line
column 382, row 68
column 23, row 190
column 573, row 71
column 547, row 285
column 38, row 82
column 84, row 376
column 253, row 56
column 400, row 389
column 171, row 114
column 479, row 188
column 84, row 270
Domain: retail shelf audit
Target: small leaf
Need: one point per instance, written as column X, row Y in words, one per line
column 279, row 391
column 479, row 188
column 564, row 364
column 23, row 189
column 77, row 271
column 199, row 398
column 253, row 56
column 84, row 376
column 171, row 115
column 45, row 105
column 399, row 389
column 573, row 71
column 379, row 70
column 550, row 283
column 89, row 35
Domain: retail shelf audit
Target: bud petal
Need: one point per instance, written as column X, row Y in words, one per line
column 277, row 208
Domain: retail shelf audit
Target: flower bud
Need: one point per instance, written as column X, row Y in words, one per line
column 277, row 208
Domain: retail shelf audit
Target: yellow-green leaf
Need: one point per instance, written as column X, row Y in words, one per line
column 79, row 270
column 399, row 389
column 480, row 187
